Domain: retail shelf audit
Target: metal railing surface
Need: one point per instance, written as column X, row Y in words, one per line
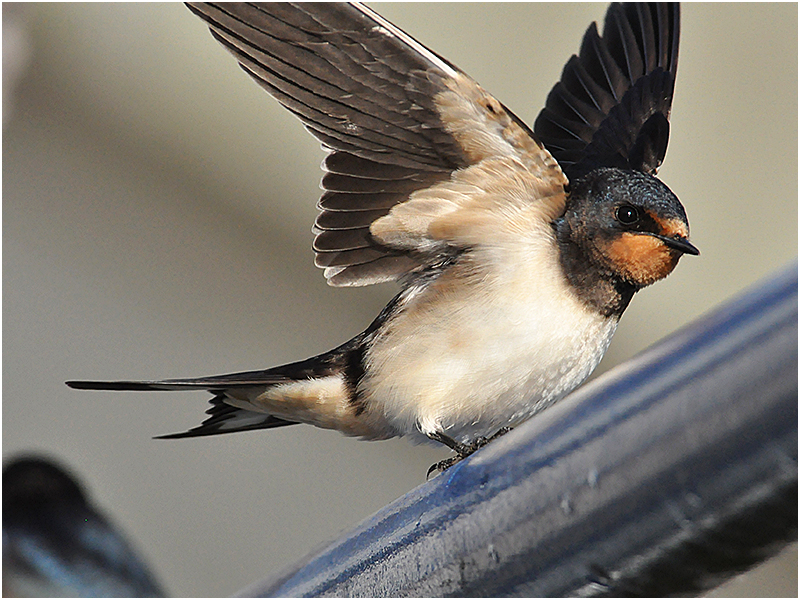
column 667, row 475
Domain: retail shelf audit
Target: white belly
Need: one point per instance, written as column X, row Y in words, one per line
column 490, row 343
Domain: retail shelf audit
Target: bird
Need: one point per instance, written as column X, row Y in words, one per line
column 516, row 249
column 57, row 543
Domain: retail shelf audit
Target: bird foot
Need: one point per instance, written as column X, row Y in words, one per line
column 462, row 450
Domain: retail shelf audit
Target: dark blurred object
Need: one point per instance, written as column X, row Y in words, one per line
column 666, row 476
column 16, row 52
column 55, row 543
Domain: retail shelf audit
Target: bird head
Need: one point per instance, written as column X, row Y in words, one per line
column 628, row 224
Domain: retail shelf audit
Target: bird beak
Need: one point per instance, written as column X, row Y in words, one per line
column 681, row 244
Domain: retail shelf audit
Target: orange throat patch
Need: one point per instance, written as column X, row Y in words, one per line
column 641, row 258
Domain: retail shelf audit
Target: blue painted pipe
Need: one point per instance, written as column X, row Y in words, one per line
column 667, row 475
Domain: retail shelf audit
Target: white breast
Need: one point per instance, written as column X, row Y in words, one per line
column 495, row 339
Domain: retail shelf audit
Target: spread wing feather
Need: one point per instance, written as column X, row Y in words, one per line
column 612, row 105
column 373, row 96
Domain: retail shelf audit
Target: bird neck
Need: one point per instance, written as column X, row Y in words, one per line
column 594, row 283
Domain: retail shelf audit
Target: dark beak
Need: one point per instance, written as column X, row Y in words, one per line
column 680, row 244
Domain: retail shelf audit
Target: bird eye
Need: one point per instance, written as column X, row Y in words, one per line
column 627, row 215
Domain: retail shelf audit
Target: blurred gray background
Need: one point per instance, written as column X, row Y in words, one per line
column 157, row 213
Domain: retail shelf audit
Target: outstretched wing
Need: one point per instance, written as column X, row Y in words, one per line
column 398, row 121
column 611, row 107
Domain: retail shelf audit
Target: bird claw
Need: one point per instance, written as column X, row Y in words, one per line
column 463, row 451
column 443, row 465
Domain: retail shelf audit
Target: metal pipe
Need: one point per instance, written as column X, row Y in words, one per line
column 667, row 475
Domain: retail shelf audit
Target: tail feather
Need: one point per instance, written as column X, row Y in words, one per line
column 232, row 392
column 318, row 391
column 323, row 365
column 214, row 383
column 225, row 418
column 131, row 386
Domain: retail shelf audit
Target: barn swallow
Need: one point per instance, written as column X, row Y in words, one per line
column 56, row 543
column 517, row 250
